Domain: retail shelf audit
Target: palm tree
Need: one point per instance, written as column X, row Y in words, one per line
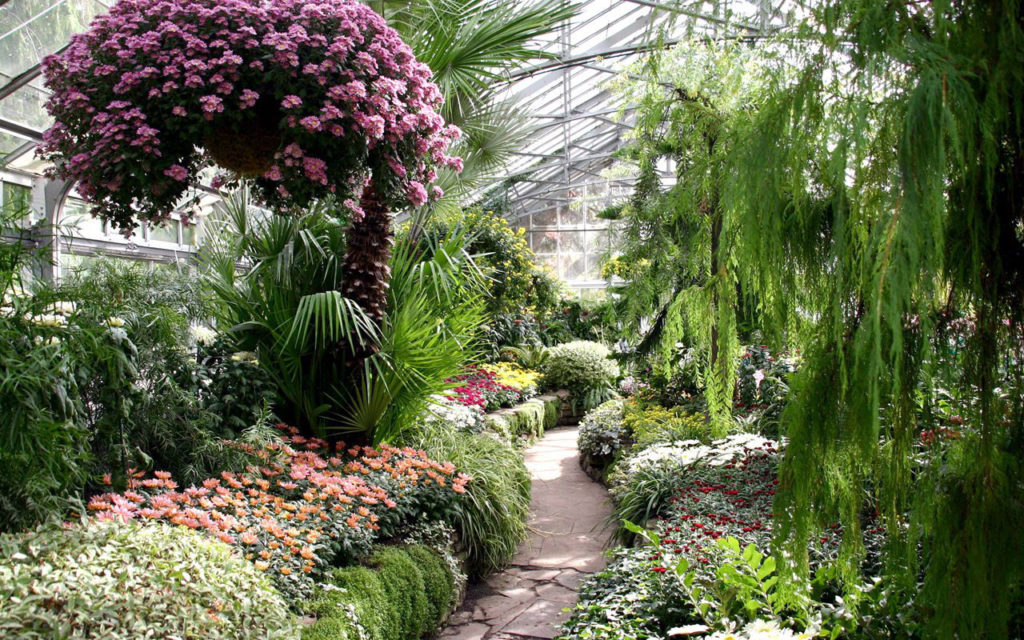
column 472, row 46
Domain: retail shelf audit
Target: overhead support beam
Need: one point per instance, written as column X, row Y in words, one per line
column 25, row 77
column 697, row 15
column 17, row 153
column 20, row 130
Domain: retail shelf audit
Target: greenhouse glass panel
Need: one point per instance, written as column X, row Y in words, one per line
column 33, row 29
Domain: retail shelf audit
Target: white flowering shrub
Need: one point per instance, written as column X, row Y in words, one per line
column 758, row 630
column 445, row 411
column 678, row 455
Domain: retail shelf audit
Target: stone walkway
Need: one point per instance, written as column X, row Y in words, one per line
column 568, row 515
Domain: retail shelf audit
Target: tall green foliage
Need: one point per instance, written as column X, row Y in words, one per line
column 277, row 282
column 678, row 234
column 879, row 195
column 471, row 46
column 435, row 309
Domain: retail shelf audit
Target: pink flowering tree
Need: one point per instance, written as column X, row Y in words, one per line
column 311, row 99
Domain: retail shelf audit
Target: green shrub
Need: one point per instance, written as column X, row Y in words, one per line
column 491, row 517
column 353, row 598
column 653, row 424
column 584, row 368
column 111, row 580
column 438, row 582
column 602, row 433
column 403, row 582
column 404, row 594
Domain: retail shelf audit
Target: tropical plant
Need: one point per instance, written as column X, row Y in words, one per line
column 505, row 259
column 151, row 580
column 531, row 356
column 285, row 304
column 472, row 46
column 435, row 310
column 337, row 370
column 403, row 593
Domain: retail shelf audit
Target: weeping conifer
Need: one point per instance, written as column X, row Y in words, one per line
column 678, row 235
column 880, row 195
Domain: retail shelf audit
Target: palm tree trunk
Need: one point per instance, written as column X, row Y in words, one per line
column 366, row 260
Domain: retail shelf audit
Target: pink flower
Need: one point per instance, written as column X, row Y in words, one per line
column 416, row 193
column 248, row 98
column 311, row 123
column 177, row 172
column 211, row 104
column 291, row 102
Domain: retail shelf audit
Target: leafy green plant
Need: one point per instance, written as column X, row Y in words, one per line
column 602, row 432
column 434, row 312
column 491, row 521
column 287, row 306
column 650, row 424
column 114, row 580
column 531, row 356
column 584, row 368
column 403, row 593
column 337, row 371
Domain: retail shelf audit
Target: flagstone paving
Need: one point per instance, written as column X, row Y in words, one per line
column 568, row 536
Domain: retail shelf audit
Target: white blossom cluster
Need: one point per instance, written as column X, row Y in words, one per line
column 756, row 630
column 684, row 453
column 445, row 411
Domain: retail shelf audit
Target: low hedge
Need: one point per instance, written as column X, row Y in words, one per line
column 403, row 593
column 525, row 421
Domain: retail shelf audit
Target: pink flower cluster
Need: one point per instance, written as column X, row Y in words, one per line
column 480, row 388
column 139, row 92
column 289, row 513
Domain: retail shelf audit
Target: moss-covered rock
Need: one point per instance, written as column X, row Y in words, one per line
column 526, row 421
column 403, row 593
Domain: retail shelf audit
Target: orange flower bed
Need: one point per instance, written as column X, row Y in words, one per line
column 301, row 510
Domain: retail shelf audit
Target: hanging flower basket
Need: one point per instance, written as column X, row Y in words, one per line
column 310, row 98
column 247, row 149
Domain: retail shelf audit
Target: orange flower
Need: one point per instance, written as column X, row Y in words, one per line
column 306, row 553
column 262, row 566
column 286, row 571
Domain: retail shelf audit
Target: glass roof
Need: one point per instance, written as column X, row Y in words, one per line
column 29, row 31
column 577, row 123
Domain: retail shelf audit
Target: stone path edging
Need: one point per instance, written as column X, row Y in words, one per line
column 568, row 517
